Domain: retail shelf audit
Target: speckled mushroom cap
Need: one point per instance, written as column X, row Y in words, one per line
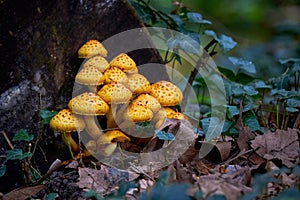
column 138, row 113
column 65, row 121
column 115, row 93
column 166, row 93
column 92, row 48
column 114, row 74
column 98, row 62
column 138, row 83
column 148, row 101
column 176, row 115
column 89, row 75
column 123, row 62
column 88, row 103
column 113, row 136
column 163, row 112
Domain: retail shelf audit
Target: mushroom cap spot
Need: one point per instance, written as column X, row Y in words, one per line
column 148, row 101
column 65, row 121
column 113, row 136
column 89, row 75
column 138, row 113
column 88, row 103
column 123, row 62
column 166, row 93
column 114, row 74
column 138, row 83
column 115, row 93
column 176, row 115
column 92, row 48
column 98, row 62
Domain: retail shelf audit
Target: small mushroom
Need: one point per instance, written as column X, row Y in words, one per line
column 138, row 83
column 98, row 62
column 110, row 140
column 124, row 62
column 114, row 75
column 89, row 105
column 92, row 48
column 166, row 93
column 65, row 123
column 148, row 101
column 89, row 76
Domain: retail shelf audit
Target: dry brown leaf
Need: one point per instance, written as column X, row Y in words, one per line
column 282, row 145
column 215, row 184
column 23, row 193
column 103, row 180
column 224, row 149
column 245, row 135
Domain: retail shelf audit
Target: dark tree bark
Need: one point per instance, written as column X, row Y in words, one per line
column 38, row 55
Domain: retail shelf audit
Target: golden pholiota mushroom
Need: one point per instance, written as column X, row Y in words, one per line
column 138, row 83
column 148, row 101
column 89, row 76
column 167, row 93
column 65, row 123
column 114, row 93
column 92, row 48
column 98, row 62
column 89, row 105
column 107, row 142
column 114, row 75
column 125, row 63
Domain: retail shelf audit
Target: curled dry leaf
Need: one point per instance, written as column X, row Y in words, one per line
column 282, row 145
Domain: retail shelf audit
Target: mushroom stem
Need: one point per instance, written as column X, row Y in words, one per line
column 110, row 117
column 91, row 127
column 68, row 140
column 93, row 88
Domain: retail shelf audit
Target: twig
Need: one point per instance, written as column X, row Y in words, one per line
column 141, row 171
column 239, row 155
column 7, row 139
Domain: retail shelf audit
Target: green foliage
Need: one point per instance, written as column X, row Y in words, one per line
column 162, row 135
column 2, row 170
column 22, row 135
column 47, row 115
column 51, row 196
column 226, row 43
column 17, row 154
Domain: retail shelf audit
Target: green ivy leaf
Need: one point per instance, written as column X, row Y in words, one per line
column 162, row 135
column 51, row 196
column 227, row 125
column 17, row 154
column 47, row 115
column 232, row 110
column 293, row 103
column 291, row 109
column 143, row 11
column 250, row 120
column 212, row 127
column 197, row 18
column 244, row 66
column 184, row 42
column 261, row 85
column 2, row 170
column 22, row 135
column 226, row 43
column 250, row 90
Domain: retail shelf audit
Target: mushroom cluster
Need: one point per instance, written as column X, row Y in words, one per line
column 117, row 91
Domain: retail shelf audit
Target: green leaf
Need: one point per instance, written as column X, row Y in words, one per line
column 177, row 20
column 22, row 135
column 184, row 42
column 143, row 11
column 281, row 92
column 17, row 154
column 249, row 107
column 250, row 90
column 92, row 194
column 212, row 127
column 289, row 60
column 226, row 43
column 2, row 170
column 227, row 125
column 244, row 66
column 197, row 18
column 162, row 135
column 293, row 103
column 232, row 111
column 261, row 85
column 47, row 115
column 51, row 196
column 291, row 109
column 250, row 120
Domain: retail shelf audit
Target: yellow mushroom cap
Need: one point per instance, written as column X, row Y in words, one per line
column 115, row 93
column 65, row 121
column 92, row 48
column 138, row 83
column 89, row 75
column 123, row 62
column 114, row 74
column 138, row 113
column 148, row 101
column 163, row 113
column 166, row 93
column 98, row 62
column 176, row 115
column 113, row 136
column 88, row 103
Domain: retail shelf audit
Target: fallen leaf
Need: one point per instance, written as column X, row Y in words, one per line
column 282, row 145
column 23, row 193
column 103, row 180
column 224, row 148
column 244, row 138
